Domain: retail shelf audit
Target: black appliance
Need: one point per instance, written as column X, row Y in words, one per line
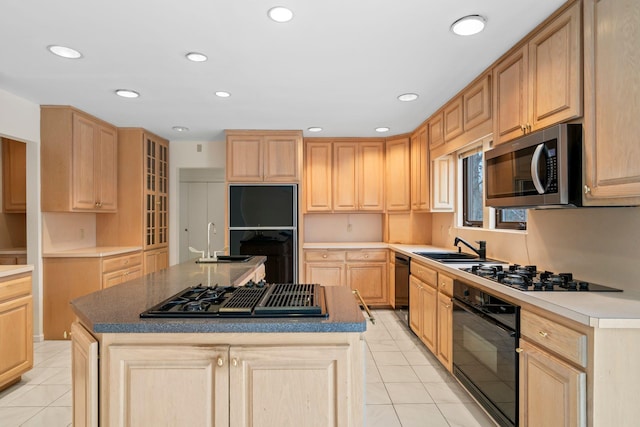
column 252, row 300
column 528, row 278
column 401, row 278
column 263, row 220
column 541, row 169
column 486, row 330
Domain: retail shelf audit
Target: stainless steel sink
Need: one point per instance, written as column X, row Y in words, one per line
column 451, row 257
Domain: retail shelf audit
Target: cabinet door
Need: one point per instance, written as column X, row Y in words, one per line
column 420, row 170
column 510, row 97
column 415, row 305
column 280, row 157
column 370, row 279
column 453, row 119
column 552, row 392
column 345, row 176
column 291, row 386
column 371, row 176
column 555, row 71
column 153, row 385
column 155, row 260
column 14, row 175
column 429, row 297
column 327, row 274
column 84, row 362
column 612, row 102
column 445, row 330
column 106, row 169
column 244, row 158
column 156, row 199
column 443, row 184
column 436, row 131
column 85, row 152
column 398, row 177
column 318, row 171
column 476, row 103
column 16, row 344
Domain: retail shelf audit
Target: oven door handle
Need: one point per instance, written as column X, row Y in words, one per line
column 535, row 159
column 476, row 312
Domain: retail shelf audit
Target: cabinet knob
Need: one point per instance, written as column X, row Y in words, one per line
column 519, row 350
column 220, row 361
column 366, row 256
column 529, row 127
column 543, row 334
column 324, row 255
column 447, row 306
column 523, row 128
column 587, row 189
column 234, row 361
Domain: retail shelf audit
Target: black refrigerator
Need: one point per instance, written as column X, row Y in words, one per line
column 263, row 220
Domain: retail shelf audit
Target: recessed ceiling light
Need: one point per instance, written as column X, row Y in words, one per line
column 382, row 129
column 180, row 128
column 280, row 14
column 406, row 97
column 315, row 129
column 65, row 52
column 127, row 93
column 468, row 25
column 223, row 94
column 196, row 57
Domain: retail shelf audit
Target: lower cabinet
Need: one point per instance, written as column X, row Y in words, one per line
column 16, row 328
column 197, row 380
column 423, row 302
column 156, row 260
column 361, row 269
column 445, row 321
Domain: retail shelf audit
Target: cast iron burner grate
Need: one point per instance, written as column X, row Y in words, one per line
column 243, row 301
column 291, row 299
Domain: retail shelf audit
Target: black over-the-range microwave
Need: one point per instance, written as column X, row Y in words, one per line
column 542, row 169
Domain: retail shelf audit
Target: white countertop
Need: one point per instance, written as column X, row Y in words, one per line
column 596, row 309
column 92, row 252
column 10, row 270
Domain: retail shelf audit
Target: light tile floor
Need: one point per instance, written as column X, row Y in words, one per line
column 406, row 386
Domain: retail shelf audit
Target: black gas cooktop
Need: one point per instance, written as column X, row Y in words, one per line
column 252, row 300
column 529, row 278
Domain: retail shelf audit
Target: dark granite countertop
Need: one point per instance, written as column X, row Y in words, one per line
column 117, row 309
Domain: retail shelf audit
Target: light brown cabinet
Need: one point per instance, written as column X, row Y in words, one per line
column 318, row 170
column 443, row 184
column 147, row 379
column 423, row 303
column 445, row 321
column 16, row 328
column 420, row 181
column 80, row 171
column 143, row 198
column 398, row 174
column 14, row 176
column 65, row 279
column 436, row 130
column 264, row 156
column 358, row 175
column 612, row 91
column 540, row 83
column 453, row 119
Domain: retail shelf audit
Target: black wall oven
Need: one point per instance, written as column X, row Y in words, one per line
column 486, row 330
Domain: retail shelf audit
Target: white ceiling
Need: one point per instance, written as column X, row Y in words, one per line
column 339, row 64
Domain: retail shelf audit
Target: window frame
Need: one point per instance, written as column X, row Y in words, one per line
column 508, row 225
column 466, row 222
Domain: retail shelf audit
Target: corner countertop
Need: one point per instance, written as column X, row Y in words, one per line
column 13, row 251
column 117, row 309
column 92, row 252
column 11, row 270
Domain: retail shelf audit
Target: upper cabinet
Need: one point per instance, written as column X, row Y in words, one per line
column 358, row 175
column 540, row 83
column 420, row 169
column 612, row 106
column 443, row 184
column 436, row 130
column 398, row 176
column 79, row 169
column 318, row 171
column 264, row 156
column 14, row 176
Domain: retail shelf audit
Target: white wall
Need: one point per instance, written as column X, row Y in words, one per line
column 601, row 245
column 184, row 154
column 20, row 120
column 336, row 227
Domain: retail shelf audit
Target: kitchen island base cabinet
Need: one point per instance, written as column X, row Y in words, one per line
column 233, row 379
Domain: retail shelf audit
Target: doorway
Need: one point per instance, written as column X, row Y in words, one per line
column 202, row 200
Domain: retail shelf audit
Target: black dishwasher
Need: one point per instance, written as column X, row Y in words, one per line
column 402, row 281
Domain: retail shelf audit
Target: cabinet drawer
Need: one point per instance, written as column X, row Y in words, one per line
column 15, row 287
column 367, row 255
column 424, row 273
column 445, row 284
column 558, row 338
column 118, row 263
column 324, row 255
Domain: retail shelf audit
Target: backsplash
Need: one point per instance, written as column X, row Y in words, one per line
column 343, row 227
column 63, row 231
column 601, row 245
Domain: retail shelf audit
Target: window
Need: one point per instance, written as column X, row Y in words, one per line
column 472, row 194
column 515, row 219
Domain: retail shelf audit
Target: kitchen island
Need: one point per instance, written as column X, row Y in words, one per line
column 129, row 371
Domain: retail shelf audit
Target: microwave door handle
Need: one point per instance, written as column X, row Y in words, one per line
column 534, row 169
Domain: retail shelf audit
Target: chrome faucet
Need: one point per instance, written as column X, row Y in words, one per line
column 209, row 226
column 481, row 251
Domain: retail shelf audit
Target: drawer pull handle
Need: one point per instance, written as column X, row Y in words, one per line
column 220, row 361
column 543, row 334
column 234, row 362
column 519, row 350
